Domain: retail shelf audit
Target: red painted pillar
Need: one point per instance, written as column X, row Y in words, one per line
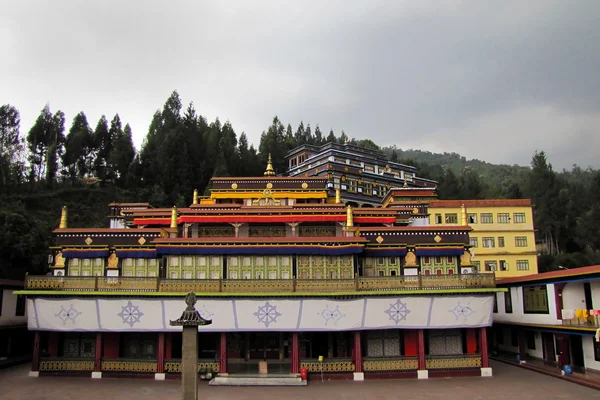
column 53, row 339
column 422, row 365
column 160, row 354
column 223, row 353
column 558, row 291
column 472, row 340
column 522, row 338
column 295, row 353
column 168, row 345
column 98, row 353
column 358, row 367
column 483, row 344
column 35, row 362
column 563, row 348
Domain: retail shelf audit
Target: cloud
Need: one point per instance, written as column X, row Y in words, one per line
column 506, row 77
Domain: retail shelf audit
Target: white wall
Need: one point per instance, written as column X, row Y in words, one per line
column 573, row 296
column 539, row 351
column 9, row 307
column 595, row 286
column 588, row 353
column 518, row 316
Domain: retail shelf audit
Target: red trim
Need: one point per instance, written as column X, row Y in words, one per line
column 53, row 339
column 261, row 218
column 415, row 228
column 111, row 345
column 410, row 343
column 480, row 203
column 374, row 220
column 471, row 340
column 558, row 300
column 289, row 239
column 168, row 345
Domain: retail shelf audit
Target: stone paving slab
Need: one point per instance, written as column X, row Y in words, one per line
column 509, row 382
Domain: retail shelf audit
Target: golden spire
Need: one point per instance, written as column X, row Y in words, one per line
column 349, row 219
column 338, row 199
column 405, row 183
column 63, row 218
column 174, row 217
column 463, row 215
column 269, row 171
column 195, row 201
column 345, row 139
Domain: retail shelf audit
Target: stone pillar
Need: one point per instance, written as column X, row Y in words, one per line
column 35, row 361
column 223, row 354
column 358, row 367
column 97, row 373
column 160, row 358
column 295, row 354
column 422, row 372
column 189, row 363
column 483, row 346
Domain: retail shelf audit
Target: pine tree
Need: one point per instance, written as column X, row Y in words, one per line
column 331, row 137
column 11, row 146
column 121, row 156
column 55, row 149
column 79, row 147
column 37, row 143
column 103, row 143
column 318, row 136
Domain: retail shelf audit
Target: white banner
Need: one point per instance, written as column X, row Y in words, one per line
column 244, row 315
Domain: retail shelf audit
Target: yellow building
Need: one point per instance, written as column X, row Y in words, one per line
column 503, row 238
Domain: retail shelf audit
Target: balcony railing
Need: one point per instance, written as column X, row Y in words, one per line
column 589, row 322
column 359, row 284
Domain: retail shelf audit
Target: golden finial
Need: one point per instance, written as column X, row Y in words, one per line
column 349, row 219
column 405, row 183
column 345, row 139
column 195, row 201
column 463, row 215
column 174, row 217
column 338, row 199
column 269, row 171
column 63, row 218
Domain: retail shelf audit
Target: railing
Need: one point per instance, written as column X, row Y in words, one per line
column 589, row 322
column 459, row 361
column 53, row 364
column 399, row 363
column 174, row 365
column 359, row 284
column 331, row 365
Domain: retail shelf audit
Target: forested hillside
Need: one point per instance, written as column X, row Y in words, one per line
column 86, row 168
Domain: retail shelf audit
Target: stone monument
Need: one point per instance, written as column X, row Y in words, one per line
column 190, row 320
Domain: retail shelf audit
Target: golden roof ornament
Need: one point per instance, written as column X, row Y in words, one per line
column 269, row 171
column 463, row 215
column 405, row 183
column 349, row 218
column 63, row 218
column 195, row 201
column 174, row 217
column 338, row 199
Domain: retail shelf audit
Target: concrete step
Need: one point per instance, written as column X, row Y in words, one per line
column 257, row 380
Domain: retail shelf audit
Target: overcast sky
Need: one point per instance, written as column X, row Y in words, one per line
column 493, row 80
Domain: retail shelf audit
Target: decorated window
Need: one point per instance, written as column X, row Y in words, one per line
column 474, row 242
column 451, row 218
column 471, row 218
column 500, row 241
column 491, row 266
column 488, row 242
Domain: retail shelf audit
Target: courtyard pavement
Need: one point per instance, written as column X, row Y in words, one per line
column 509, row 382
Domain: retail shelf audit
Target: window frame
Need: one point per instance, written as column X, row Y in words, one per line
column 488, row 239
column 486, row 218
column 503, row 218
column 451, row 218
column 520, row 264
column 474, row 242
column 508, row 308
column 520, row 241
column 471, row 218
column 501, row 242
column 535, row 303
column 519, row 218
column 490, row 262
